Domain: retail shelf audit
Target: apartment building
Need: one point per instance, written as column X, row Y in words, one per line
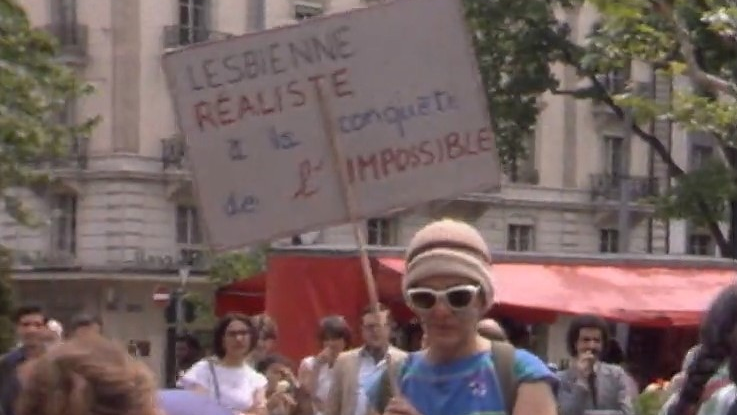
column 123, row 223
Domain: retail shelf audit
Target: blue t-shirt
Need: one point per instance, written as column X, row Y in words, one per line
column 464, row 387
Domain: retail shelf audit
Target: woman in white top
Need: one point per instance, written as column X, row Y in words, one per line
column 316, row 372
column 226, row 376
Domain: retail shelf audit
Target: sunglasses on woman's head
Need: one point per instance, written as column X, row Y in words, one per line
column 457, row 298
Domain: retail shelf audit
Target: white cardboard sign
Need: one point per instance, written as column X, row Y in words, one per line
column 402, row 87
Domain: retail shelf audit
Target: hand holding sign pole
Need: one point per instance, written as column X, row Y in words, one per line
column 349, row 199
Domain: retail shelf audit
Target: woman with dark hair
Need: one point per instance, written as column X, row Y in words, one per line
column 226, row 376
column 284, row 393
column 316, row 372
column 709, row 388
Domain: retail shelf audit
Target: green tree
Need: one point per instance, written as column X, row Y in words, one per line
column 517, row 41
column 226, row 269
column 34, row 89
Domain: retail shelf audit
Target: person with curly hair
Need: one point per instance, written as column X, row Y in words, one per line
column 87, row 378
column 709, row 387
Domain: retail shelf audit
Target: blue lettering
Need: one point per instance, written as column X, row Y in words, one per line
column 283, row 140
column 398, row 116
column 236, row 150
column 236, row 205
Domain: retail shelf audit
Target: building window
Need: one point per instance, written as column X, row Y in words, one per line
column 614, row 82
column 701, row 244
column 193, row 25
column 306, row 11
column 64, row 224
column 188, row 226
column 520, row 238
column 614, row 155
column 608, row 240
column 64, row 12
column 700, row 155
column 381, row 231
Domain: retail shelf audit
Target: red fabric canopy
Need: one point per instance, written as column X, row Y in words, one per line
column 246, row 296
column 646, row 296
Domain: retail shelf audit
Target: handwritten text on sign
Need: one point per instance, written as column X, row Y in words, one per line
column 405, row 103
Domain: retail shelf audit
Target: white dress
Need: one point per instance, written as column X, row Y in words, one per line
column 237, row 385
column 324, row 379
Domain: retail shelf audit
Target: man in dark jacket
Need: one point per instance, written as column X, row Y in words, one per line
column 30, row 326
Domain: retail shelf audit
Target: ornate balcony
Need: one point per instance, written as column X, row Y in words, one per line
column 609, row 187
column 173, row 152
column 72, row 38
column 178, row 35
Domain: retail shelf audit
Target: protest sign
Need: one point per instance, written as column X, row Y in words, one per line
column 406, row 107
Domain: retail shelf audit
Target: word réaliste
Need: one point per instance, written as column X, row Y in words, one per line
column 225, row 107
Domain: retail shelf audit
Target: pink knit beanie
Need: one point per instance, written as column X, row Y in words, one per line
column 449, row 247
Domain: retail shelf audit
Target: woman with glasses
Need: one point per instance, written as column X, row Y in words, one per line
column 448, row 284
column 227, row 377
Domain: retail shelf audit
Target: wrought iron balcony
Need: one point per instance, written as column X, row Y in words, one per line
column 72, row 38
column 178, row 35
column 173, row 152
column 609, row 187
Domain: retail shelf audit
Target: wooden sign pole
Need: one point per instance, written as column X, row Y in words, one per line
column 349, row 198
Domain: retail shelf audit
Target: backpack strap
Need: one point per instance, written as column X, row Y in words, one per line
column 384, row 394
column 503, row 357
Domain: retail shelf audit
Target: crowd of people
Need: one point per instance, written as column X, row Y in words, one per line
column 466, row 365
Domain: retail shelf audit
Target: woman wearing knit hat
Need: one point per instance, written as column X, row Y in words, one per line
column 448, row 284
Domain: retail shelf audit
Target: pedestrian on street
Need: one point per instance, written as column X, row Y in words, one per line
column 448, row 284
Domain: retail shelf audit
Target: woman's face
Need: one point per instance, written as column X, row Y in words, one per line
column 335, row 345
column 266, row 344
column 237, row 339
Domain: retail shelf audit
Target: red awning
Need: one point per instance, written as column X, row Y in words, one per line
column 648, row 296
column 246, row 296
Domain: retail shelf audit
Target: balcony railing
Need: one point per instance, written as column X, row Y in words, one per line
column 173, row 152
column 75, row 157
column 609, row 187
column 176, row 36
column 72, row 38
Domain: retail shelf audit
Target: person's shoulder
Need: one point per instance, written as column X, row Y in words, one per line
column 530, row 368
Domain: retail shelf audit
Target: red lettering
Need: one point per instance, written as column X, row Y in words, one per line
column 341, row 88
column 425, row 149
column 263, row 106
column 246, row 108
column 367, row 163
column 202, row 114
column 453, row 146
column 223, row 109
column 387, row 159
column 306, row 171
column 317, row 83
column 402, row 158
column 295, row 92
column 485, row 140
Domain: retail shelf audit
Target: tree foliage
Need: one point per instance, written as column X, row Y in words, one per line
column 234, row 266
column 34, row 89
column 696, row 40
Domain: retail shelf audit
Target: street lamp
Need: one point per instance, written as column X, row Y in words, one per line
column 179, row 293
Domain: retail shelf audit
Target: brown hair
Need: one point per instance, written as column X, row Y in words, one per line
column 87, row 378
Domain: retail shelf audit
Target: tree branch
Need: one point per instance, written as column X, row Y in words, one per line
column 674, row 170
column 697, row 74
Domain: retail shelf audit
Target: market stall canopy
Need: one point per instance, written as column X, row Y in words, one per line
column 658, row 296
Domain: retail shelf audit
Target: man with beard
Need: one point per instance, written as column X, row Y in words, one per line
column 590, row 384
